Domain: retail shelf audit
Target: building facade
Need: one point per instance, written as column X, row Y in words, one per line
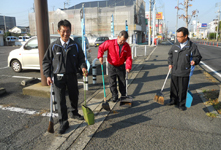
column 7, row 22
column 98, row 18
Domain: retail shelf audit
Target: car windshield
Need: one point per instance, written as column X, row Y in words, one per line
column 100, row 39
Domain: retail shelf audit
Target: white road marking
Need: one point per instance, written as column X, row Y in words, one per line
column 27, row 111
column 210, row 69
column 23, row 77
column 4, row 67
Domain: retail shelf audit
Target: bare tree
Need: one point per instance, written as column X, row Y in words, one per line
column 187, row 17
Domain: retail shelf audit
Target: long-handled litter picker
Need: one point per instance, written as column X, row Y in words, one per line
column 105, row 104
column 51, row 121
column 126, row 101
column 159, row 97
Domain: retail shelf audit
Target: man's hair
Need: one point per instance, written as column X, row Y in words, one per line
column 184, row 30
column 65, row 23
column 124, row 34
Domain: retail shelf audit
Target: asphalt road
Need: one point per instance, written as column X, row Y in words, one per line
column 211, row 57
column 22, row 131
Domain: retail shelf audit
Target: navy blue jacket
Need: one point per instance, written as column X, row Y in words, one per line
column 180, row 58
column 58, row 60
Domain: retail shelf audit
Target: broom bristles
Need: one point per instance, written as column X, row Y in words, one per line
column 156, row 97
column 51, row 127
column 161, row 100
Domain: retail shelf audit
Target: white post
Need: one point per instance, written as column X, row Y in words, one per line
column 135, row 51
column 145, row 53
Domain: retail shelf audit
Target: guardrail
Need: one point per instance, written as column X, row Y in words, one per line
column 94, row 68
column 134, row 51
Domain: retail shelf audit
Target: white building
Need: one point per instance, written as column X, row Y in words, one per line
column 212, row 26
column 20, row 30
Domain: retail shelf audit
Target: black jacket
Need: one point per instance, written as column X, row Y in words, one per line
column 180, row 58
column 58, row 60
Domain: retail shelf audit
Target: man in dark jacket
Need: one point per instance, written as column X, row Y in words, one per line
column 118, row 52
column 61, row 62
column 182, row 56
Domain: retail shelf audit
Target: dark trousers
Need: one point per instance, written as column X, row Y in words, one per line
column 178, row 90
column 115, row 72
column 60, row 84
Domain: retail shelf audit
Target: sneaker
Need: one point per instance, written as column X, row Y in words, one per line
column 63, row 128
column 77, row 116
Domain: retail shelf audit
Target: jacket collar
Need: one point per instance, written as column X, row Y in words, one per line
column 186, row 46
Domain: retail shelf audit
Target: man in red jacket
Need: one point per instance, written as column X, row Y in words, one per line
column 118, row 52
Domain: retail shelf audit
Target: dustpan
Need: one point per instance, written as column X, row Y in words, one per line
column 88, row 113
column 126, row 101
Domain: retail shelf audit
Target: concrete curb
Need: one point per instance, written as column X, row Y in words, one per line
column 209, row 107
column 2, row 91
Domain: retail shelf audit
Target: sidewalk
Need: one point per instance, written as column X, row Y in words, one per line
column 148, row 125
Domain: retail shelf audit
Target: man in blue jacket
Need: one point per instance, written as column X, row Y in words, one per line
column 61, row 61
column 182, row 56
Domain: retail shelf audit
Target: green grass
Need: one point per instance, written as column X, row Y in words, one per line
column 212, row 97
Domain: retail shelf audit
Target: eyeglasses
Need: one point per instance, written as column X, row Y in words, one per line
column 63, row 31
column 180, row 37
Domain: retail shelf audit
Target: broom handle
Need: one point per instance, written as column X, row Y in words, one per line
column 103, row 82
column 51, row 101
column 165, row 79
column 126, row 81
column 84, row 90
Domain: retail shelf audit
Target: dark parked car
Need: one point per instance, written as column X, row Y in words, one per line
column 100, row 40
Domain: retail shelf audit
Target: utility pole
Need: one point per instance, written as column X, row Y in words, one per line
column 65, row 4
column 4, row 23
column 154, row 21
column 177, row 18
column 217, row 32
column 149, row 23
column 43, row 36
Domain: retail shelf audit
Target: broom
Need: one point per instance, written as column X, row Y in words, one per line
column 105, row 104
column 51, row 121
column 159, row 97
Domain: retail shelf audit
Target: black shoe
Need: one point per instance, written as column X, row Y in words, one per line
column 63, row 128
column 77, row 116
column 182, row 108
column 114, row 99
column 170, row 104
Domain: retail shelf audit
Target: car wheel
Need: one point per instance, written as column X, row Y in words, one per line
column 16, row 66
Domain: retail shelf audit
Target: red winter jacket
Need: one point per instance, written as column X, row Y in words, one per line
column 113, row 53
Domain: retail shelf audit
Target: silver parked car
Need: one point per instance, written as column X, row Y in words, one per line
column 27, row 56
